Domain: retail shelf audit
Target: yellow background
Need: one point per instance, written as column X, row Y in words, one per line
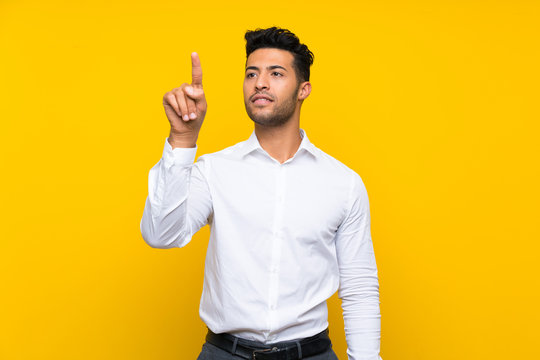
column 434, row 104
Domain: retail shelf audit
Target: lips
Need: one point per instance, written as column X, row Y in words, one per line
column 261, row 99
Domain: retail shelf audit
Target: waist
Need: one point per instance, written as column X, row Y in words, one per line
column 256, row 321
column 265, row 328
column 289, row 349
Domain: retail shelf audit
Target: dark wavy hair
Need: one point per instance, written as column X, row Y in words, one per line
column 279, row 38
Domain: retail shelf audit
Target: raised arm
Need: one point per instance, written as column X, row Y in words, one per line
column 359, row 283
column 179, row 201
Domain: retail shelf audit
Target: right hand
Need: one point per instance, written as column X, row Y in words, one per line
column 185, row 106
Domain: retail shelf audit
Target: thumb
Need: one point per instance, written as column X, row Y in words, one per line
column 194, row 93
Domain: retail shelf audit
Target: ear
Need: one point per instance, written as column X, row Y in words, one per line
column 304, row 90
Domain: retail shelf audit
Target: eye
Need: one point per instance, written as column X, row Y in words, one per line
column 249, row 75
column 277, row 73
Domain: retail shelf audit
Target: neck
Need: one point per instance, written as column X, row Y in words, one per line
column 280, row 142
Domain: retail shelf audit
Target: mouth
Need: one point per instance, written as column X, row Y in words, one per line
column 261, row 99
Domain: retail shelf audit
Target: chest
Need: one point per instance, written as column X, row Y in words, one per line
column 305, row 199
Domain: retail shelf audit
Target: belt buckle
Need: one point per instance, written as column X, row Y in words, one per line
column 265, row 351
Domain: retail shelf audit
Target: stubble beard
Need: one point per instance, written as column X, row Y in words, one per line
column 279, row 116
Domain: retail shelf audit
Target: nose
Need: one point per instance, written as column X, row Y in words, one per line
column 262, row 82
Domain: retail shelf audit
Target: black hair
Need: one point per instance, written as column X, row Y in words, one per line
column 279, row 38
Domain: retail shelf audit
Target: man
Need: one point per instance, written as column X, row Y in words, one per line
column 290, row 225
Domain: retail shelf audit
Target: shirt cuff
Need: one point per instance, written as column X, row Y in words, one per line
column 178, row 156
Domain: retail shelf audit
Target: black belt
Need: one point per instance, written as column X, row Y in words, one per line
column 286, row 350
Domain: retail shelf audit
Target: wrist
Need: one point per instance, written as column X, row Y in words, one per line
column 182, row 141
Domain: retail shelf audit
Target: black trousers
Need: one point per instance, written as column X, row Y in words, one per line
column 212, row 352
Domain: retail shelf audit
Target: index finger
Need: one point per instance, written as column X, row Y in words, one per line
column 196, row 70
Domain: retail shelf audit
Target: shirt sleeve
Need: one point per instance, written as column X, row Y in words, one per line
column 178, row 202
column 359, row 283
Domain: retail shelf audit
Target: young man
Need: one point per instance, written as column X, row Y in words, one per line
column 290, row 225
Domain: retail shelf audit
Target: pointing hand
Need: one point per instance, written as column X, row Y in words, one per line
column 185, row 107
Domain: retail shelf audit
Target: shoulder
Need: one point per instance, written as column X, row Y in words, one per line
column 337, row 166
column 230, row 152
column 348, row 176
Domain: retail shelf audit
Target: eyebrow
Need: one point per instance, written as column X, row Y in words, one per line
column 271, row 67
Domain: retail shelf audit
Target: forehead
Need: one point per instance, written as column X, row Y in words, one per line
column 269, row 56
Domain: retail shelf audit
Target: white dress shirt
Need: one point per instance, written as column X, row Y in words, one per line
column 283, row 239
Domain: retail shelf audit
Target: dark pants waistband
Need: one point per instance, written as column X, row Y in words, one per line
column 289, row 350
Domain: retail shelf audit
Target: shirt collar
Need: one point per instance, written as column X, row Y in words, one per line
column 253, row 144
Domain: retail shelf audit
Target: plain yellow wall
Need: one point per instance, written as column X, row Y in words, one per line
column 435, row 104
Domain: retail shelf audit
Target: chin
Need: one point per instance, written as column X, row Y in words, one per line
column 268, row 121
column 268, row 116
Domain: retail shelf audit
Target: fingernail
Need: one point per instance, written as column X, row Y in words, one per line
column 189, row 90
column 186, row 117
column 192, row 115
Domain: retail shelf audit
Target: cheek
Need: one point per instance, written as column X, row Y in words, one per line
column 245, row 91
column 286, row 90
